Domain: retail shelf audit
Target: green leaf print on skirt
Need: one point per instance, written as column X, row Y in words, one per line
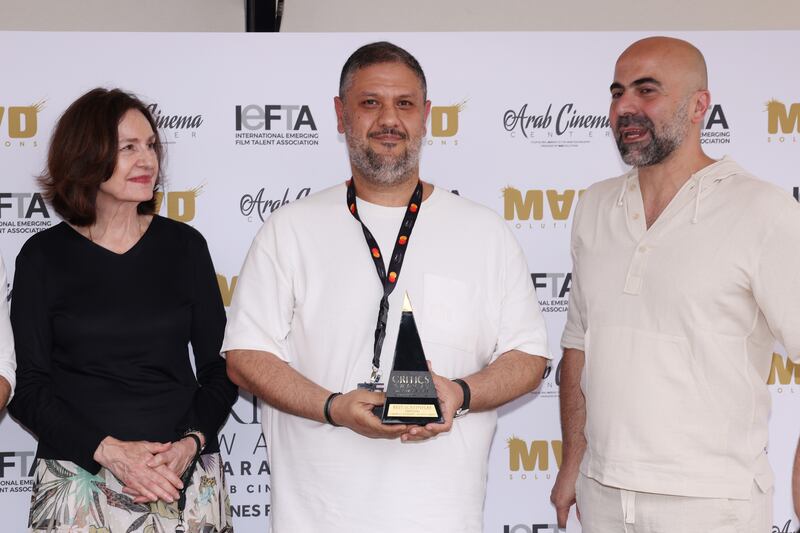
column 67, row 498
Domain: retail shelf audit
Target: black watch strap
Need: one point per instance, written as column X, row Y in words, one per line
column 464, row 409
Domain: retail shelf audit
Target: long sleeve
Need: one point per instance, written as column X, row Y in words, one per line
column 35, row 405
column 213, row 400
column 776, row 282
column 575, row 328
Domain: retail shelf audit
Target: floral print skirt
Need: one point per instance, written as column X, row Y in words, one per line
column 67, row 498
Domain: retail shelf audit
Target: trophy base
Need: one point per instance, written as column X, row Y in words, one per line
column 411, row 411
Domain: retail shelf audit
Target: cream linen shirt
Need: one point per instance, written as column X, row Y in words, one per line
column 678, row 323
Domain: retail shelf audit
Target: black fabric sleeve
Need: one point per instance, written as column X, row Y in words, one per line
column 34, row 404
column 213, row 400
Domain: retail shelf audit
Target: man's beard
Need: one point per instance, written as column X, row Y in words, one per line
column 661, row 144
column 380, row 169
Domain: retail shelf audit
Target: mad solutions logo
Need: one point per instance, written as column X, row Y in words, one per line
column 19, row 125
column 444, row 124
column 783, row 122
column 180, row 205
column 531, row 460
column 539, row 208
column 784, row 375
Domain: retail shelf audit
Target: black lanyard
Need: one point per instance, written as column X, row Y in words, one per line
column 395, row 263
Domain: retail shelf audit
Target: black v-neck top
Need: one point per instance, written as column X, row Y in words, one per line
column 102, row 341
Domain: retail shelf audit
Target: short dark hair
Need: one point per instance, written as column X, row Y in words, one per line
column 375, row 53
column 83, row 153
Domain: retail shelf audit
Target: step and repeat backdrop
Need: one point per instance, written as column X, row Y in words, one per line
column 518, row 123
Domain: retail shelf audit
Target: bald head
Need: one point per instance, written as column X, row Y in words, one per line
column 659, row 99
column 678, row 59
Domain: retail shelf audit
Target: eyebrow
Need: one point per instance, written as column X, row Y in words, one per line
column 134, row 139
column 636, row 83
column 366, row 94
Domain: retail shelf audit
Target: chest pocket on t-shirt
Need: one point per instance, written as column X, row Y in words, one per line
column 449, row 313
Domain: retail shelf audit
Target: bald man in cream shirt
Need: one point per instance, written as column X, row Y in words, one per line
column 684, row 276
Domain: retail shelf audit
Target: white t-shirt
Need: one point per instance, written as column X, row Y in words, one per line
column 309, row 293
column 678, row 323
column 8, row 361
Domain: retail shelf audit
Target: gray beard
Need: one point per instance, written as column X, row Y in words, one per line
column 661, row 144
column 381, row 169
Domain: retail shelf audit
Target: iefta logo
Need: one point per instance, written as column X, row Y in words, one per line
column 17, row 464
column 20, row 122
column 716, row 117
column 256, row 117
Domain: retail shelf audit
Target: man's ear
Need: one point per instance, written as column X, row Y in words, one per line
column 701, row 104
column 338, row 104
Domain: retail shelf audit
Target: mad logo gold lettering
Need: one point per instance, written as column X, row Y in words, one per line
column 226, row 289
column 22, row 121
column 520, row 456
column 532, row 205
column 560, row 204
column 444, row 119
column 778, row 116
column 515, row 207
column 180, row 204
column 783, row 370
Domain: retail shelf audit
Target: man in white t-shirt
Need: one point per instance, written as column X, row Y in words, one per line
column 8, row 360
column 302, row 326
column 685, row 272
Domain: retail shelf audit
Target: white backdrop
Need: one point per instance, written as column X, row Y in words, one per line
column 484, row 87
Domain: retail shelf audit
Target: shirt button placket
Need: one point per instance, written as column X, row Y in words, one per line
column 633, row 281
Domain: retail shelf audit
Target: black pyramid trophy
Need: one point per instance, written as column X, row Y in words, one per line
column 410, row 393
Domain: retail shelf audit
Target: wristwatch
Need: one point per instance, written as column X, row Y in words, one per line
column 464, row 409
